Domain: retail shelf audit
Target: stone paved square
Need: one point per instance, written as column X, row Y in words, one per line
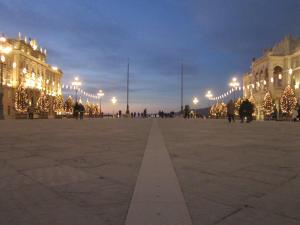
column 85, row 172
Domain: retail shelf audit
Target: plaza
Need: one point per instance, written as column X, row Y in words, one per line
column 149, row 172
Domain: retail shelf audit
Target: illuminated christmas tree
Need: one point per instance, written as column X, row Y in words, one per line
column 68, row 106
column 212, row 111
column 268, row 104
column 220, row 109
column 95, row 109
column 237, row 105
column 252, row 100
column 58, row 104
column 21, row 100
column 43, row 103
column 288, row 100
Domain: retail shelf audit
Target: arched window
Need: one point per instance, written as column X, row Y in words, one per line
column 278, row 76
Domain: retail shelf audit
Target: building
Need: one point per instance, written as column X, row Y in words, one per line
column 277, row 68
column 24, row 66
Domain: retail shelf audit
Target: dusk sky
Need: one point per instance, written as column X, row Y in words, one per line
column 214, row 39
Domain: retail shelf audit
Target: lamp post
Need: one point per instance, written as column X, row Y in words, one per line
column 209, row 96
column 4, row 50
column 114, row 101
column 195, row 101
column 234, row 84
column 100, row 94
column 76, row 83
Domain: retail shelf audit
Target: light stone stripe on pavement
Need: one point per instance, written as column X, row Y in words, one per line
column 157, row 198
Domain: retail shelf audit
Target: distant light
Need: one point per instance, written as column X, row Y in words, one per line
column 2, row 58
column 114, row 100
column 2, row 39
column 195, row 101
column 290, row 71
column 54, row 68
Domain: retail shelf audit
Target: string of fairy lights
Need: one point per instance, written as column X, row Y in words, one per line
column 81, row 91
column 234, row 87
column 226, row 94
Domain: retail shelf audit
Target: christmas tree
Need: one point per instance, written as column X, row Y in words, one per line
column 288, row 100
column 58, row 104
column 220, row 109
column 268, row 104
column 237, row 105
column 43, row 103
column 68, row 106
column 21, row 100
column 212, row 111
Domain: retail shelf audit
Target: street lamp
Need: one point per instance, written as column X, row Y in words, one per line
column 114, row 101
column 100, row 94
column 76, row 83
column 5, row 49
column 209, row 96
column 234, row 84
column 195, row 101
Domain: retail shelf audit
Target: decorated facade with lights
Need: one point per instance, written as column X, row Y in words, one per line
column 272, row 73
column 26, row 69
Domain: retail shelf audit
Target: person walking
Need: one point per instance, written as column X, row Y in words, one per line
column 246, row 110
column 30, row 111
column 76, row 110
column 81, row 111
column 230, row 111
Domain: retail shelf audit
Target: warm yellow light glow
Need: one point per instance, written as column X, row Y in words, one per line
column 280, row 76
column 209, row 95
column 14, row 65
column 114, row 100
column 272, row 79
column 6, row 50
column 290, row 71
column 2, row 58
column 100, row 94
column 24, row 70
column 234, row 83
column 2, row 39
column 55, row 68
column 76, row 83
column 195, row 101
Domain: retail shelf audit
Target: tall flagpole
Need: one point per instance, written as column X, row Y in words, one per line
column 127, row 108
column 181, row 88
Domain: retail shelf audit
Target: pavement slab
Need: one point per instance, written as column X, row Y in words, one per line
column 157, row 197
column 236, row 173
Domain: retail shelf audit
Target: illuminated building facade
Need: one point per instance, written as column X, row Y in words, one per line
column 273, row 72
column 26, row 66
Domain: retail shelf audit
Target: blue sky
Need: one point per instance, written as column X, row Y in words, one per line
column 214, row 39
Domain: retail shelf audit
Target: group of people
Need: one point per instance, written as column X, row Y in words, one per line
column 245, row 111
column 78, row 111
